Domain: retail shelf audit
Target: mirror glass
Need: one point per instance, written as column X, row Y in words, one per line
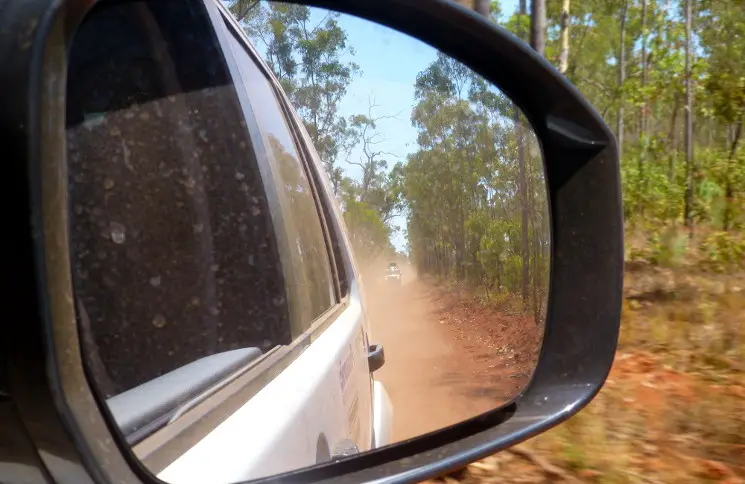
column 295, row 235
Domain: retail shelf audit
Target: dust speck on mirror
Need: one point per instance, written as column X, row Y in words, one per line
column 260, row 206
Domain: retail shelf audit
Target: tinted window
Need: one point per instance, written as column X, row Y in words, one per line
column 311, row 283
column 173, row 251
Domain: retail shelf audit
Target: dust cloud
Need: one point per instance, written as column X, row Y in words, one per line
column 447, row 359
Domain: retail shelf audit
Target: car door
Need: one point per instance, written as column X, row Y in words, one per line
column 209, row 281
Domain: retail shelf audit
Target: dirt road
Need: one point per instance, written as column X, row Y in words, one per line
column 445, row 360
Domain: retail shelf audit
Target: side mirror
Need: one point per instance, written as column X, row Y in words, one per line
column 95, row 304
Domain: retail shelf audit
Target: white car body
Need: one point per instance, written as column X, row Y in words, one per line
column 277, row 430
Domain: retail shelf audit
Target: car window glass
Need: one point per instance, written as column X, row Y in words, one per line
column 173, row 251
column 311, row 284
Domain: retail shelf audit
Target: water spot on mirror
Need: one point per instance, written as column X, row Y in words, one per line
column 159, row 321
column 117, row 232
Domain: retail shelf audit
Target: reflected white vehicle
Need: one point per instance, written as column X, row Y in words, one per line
column 393, row 275
column 226, row 331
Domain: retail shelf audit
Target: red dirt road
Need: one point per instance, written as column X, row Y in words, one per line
column 447, row 359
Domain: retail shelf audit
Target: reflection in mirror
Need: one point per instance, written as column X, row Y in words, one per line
column 220, row 314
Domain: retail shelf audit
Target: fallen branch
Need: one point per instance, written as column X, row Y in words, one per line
column 548, row 469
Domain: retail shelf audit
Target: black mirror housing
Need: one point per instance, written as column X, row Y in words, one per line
column 46, row 405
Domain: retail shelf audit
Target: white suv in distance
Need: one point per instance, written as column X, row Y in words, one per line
column 393, row 275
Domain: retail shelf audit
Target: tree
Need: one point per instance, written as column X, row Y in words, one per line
column 689, row 120
column 244, row 9
column 564, row 36
column 482, row 7
column 538, row 26
column 723, row 38
column 376, row 188
column 667, row 74
column 621, row 76
column 523, row 188
column 643, row 115
column 368, row 234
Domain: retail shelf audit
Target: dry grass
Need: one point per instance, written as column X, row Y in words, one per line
column 673, row 410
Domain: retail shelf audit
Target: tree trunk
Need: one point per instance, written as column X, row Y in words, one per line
column 522, row 188
column 671, row 140
column 564, row 37
column 729, row 189
column 534, row 263
column 643, row 114
column 538, row 26
column 621, row 78
column 688, row 132
column 522, row 10
column 641, row 188
column 482, row 7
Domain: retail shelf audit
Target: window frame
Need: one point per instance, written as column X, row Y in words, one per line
column 235, row 41
column 136, row 436
column 333, row 244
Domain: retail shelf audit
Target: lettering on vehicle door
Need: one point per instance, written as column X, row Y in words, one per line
column 350, row 386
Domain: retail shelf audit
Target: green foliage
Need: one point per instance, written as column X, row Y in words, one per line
column 652, row 188
column 655, row 173
column 369, row 236
column 519, row 25
column 722, row 252
column 667, row 248
column 499, row 254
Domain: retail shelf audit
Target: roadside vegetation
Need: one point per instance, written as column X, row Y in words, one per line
column 669, row 78
column 672, row 410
